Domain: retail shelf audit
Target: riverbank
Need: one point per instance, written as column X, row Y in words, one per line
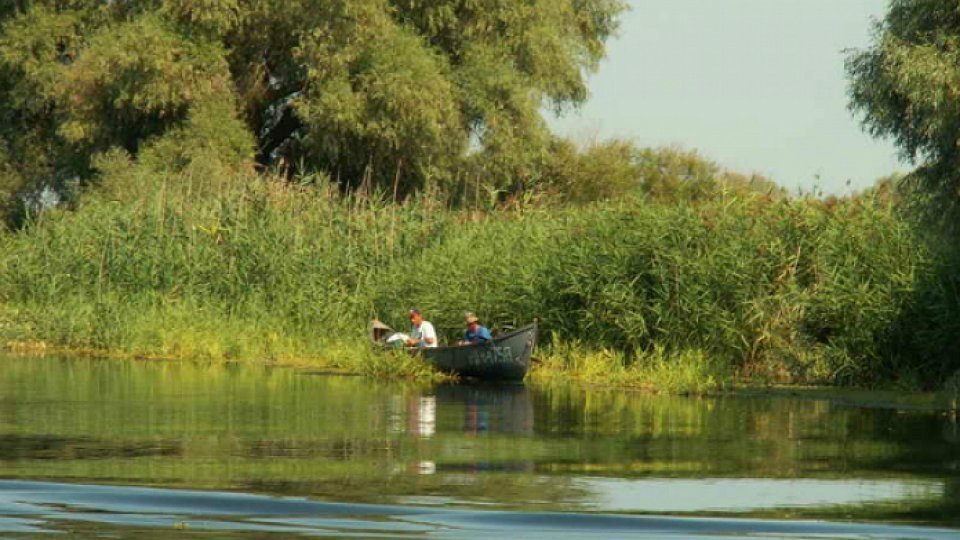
column 345, row 360
column 692, row 374
column 681, row 297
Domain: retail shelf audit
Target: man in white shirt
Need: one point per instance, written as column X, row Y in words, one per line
column 423, row 334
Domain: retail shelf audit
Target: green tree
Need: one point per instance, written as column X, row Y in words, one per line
column 906, row 86
column 675, row 174
column 375, row 91
column 602, row 170
column 85, row 78
column 614, row 168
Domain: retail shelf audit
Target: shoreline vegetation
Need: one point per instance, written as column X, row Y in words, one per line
column 670, row 294
column 250, row 181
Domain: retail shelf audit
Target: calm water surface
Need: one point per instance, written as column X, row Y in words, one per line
column 123, row 449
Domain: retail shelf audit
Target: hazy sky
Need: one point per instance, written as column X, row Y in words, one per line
column 756, row 85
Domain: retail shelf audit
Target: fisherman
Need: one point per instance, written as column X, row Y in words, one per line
column 422, row 334
column 476, row 332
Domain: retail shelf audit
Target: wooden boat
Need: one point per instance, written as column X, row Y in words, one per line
column 506, row 357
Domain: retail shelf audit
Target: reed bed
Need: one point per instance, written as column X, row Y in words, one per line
column 680, row 297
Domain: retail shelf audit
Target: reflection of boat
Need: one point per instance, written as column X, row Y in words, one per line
column 506, row 357
column 492, row 408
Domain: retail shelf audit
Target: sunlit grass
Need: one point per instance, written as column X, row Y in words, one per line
column 684, row 372
column 675, row 297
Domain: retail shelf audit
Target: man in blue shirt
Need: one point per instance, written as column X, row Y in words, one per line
column 476, row 332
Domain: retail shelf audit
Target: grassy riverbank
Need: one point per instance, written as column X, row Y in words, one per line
column 683, row 296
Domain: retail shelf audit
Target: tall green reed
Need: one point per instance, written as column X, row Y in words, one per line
column 777, row 289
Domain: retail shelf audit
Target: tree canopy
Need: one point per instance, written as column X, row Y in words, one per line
column 906, row 86
column 376, row 91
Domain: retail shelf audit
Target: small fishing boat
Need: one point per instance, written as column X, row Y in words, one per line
column 506, row 357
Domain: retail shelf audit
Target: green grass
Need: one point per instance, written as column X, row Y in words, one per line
column 687, row 371
column 678, row 297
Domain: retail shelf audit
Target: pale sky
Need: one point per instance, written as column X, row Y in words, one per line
column 756, row 85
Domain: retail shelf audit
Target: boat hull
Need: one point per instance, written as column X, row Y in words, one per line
column 504, row 358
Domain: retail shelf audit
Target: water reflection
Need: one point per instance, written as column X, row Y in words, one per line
column 413, row 414
column 505, row 409
column 731, row 495
column 256, row 429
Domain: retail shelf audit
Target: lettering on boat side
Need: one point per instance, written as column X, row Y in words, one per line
column 491, row 355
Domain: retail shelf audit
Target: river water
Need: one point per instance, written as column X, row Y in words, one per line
column 123, row 449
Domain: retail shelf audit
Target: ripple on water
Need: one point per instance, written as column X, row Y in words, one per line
column 36, row 507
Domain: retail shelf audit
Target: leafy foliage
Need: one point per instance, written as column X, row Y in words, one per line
column 907, row 87
column 775, row 289
column 375, row 93
column 614, row 169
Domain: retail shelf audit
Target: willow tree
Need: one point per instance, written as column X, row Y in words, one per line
column 391, row 92
column 402, row 89
column 906, row 86
column 82, row 79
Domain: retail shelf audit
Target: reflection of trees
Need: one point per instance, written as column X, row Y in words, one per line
column 631, row 434
column 258, row 429
column 47, row 447
column 275, row 431
column 620, row 432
